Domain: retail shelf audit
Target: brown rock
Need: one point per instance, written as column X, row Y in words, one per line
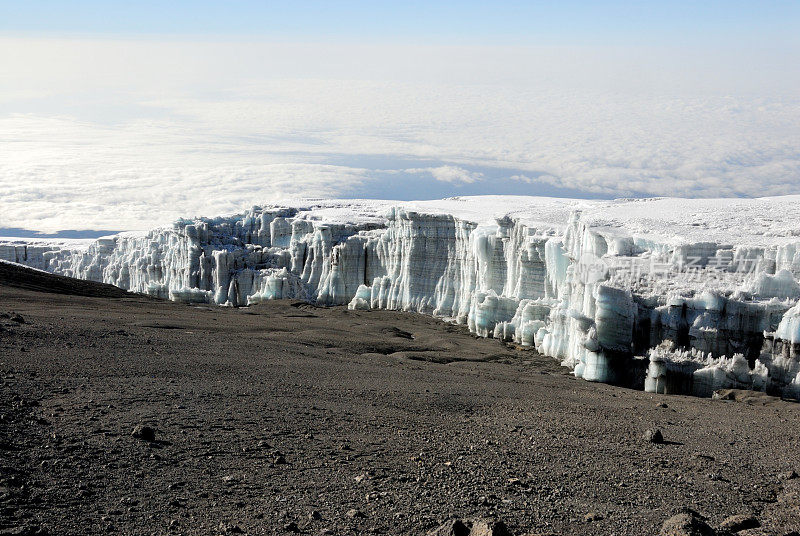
column 788, row 475
column 144, row 433
column 686, row 523
column 452, row 527
column 489, row 527
column 653, row 436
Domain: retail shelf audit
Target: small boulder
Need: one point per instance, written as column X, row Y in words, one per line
column 788, row 475
column 230, row 528
column 145, row 433
column 291, row 527
column 353, row 513
column 686, row 523
column 653, row 435
column 489, row 527
column 452, row 527
column 739, row 523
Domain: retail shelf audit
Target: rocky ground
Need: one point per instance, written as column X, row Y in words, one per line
column 289, row 418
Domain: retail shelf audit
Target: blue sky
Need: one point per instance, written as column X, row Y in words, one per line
column 532, row 22
column 127, row 115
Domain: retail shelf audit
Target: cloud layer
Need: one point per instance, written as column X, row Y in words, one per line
column 131, row 135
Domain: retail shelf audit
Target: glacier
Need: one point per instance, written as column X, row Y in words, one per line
column 667, row 295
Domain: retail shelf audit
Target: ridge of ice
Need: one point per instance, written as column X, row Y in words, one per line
column 597, row 285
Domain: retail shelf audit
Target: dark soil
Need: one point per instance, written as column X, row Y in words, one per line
column 287, row 417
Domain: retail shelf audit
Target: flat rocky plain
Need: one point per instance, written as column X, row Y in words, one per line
column 286, row 417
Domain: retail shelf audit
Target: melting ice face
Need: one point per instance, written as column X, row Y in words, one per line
column 590, row 269
column 630, row 292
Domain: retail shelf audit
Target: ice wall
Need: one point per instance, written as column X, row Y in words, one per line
column 600, row 295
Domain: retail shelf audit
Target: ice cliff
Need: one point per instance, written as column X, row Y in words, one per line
column 673, row 295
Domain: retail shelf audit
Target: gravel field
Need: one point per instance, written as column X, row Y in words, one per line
column 285, row 418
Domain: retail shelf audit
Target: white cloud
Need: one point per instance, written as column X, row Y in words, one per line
column 59, row 174
column 451, row 174
column 126, row 135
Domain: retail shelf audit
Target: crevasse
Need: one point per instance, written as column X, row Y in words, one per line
column 607, row 298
